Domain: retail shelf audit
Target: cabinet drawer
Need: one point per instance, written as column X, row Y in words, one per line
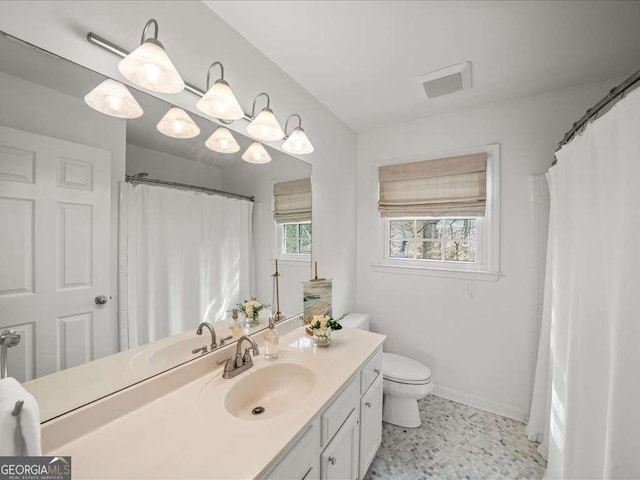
column 336, row 414
column 370, row 372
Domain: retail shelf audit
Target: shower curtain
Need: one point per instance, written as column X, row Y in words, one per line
column 187, row 257
column 586, row 402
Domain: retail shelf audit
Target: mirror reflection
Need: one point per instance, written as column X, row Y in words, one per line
column 118, row 241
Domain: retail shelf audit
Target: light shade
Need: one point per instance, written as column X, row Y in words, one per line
column 256, row 153
column 150, row 67
column 113, row 98
column 265, row 127
column 220, row 102
column 222, row 141
column 178, row 124
column 297, row 143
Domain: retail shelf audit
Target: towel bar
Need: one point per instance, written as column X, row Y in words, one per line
column 8, row 339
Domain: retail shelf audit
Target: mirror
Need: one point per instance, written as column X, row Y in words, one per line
column 107, row 280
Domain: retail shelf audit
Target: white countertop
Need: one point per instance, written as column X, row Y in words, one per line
column 71, row 388
column 176, row 436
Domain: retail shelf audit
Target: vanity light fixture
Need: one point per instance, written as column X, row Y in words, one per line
column 178, row 124
column 256, row 153
column 265, row 126
column 219, row 101
column 297, row 142
column 149, row 66
column 114, row 99
column 222, row 141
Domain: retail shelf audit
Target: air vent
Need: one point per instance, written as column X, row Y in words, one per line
column 447, row 80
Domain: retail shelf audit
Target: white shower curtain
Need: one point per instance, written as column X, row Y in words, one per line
column 586, row 402
column 189, row 259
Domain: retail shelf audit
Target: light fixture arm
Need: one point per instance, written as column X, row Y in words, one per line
column 213, row 65
column 151, row 23
column 253, row 109
column 286, row 124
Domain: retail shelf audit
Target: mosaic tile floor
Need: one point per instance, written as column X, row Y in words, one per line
column 456, row 442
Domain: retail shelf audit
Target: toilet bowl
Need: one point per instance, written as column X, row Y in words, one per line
column 405, row 381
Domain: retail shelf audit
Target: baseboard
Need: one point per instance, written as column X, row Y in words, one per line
column 479, row 402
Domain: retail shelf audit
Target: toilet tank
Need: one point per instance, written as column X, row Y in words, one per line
column 356, row 320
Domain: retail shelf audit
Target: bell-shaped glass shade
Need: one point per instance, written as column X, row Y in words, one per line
column 149, row 66
column 113, row 98
column 265, row 127
column 222, row 141
column 297, row 143
column 178, row 124
column 256, row 153
column 220, row 102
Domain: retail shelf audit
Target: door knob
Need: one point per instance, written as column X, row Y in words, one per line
column 332, row 460
column 101, row 300
column 368, row 404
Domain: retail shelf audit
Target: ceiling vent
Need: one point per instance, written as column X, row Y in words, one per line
column 447, row 80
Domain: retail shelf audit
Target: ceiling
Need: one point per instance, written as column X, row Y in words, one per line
column 361, row 59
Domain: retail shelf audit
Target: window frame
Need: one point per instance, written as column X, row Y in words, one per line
column 487, row 266
column 280, row 242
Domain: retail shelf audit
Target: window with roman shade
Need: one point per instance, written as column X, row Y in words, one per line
column 292, row 201
column 444, row 187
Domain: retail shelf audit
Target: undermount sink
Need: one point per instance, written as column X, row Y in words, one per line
column 270, row 391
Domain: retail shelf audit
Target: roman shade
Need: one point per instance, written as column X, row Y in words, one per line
column 444, row 187
column 292, row 201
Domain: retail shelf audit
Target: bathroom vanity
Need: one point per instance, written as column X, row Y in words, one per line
column 312, row 413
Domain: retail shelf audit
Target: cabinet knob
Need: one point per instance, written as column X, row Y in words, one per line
column 377, row 371
column 332, row 460
column 368, row 404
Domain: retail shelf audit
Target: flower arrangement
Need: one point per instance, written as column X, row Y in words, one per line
column 251, row 309
column 322, row 326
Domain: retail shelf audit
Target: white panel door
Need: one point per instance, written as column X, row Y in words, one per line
column 54, row 251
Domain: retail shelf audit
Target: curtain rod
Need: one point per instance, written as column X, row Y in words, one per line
column 607, row 101
column 141, row 177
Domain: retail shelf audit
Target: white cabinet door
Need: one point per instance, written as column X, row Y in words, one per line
column 339, row 461
column 301, row 461
column 370, row 425
column 55, row 223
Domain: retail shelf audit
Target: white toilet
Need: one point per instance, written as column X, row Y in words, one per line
column 405, row 381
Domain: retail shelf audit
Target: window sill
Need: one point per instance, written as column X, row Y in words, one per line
column 294, row 261
column 481, row 275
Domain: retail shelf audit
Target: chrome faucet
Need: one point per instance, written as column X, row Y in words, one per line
column 214, row 344
column 238, row 364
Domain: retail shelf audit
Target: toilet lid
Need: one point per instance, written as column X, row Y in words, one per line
column 397, row 367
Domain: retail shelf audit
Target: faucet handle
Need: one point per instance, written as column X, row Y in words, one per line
column 246, row 359
column 223, row 340
column 228, row 363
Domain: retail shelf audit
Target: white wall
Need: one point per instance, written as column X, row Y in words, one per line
column 34, row 108
column 164, row 166
column 476, row 336
column 257, row 180
column 195, row 37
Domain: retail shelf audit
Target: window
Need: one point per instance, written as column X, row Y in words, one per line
column 441, row 216
column 292, row 217
column 296, row 238
column 434, row 239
